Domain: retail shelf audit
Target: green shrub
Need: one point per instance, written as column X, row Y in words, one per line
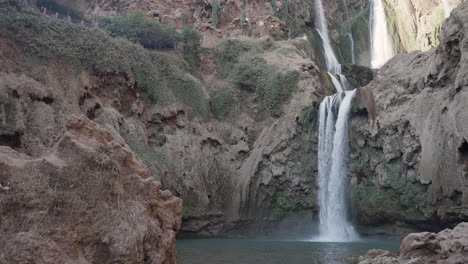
column 276, row 88
column 221, row 103
column 285, row 10
column 152, row 159
column 163, row 77
column 70, row 8
column 192, row 46
column 272, row 85
column 282, row 206
column 183, row 87
column 248, row 71
column 227, row 54
column 214, row 12
column 138, row 28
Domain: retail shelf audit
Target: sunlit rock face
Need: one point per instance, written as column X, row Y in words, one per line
column 415, row 25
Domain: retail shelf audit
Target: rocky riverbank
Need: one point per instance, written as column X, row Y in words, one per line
column 449, row 246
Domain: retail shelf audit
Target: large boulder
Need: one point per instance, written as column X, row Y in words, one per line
column 88, row 199
column 449, row 246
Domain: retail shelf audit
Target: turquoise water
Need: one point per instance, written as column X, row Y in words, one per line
column 253, row 251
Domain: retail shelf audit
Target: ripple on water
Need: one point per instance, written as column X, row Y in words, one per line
column 256, row 251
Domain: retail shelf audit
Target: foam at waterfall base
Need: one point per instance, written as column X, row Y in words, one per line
column 347, row 234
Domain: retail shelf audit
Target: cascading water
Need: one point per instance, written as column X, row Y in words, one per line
column 333, row 66
column 381, row 46
column 351, row 44
column 333, row 168
column 333, row 147
column 448, row 7
column 349, row 34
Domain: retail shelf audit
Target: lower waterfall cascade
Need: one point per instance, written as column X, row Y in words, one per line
column 333, row 168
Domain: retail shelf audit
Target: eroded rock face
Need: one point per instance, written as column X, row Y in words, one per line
column 251, row 169
column 88, row 199
column 415, row 25
column 448, row 247
column 409, row 164
column 218, row 19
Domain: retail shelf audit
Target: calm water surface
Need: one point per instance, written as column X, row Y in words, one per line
column 246, row 251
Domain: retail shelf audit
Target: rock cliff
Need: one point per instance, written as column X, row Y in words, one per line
column 409, row 165
column 88, row 199
column 234, row 135
column 233, row 138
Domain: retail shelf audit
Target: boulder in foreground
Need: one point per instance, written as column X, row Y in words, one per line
column 87, row 200
column 449, row 246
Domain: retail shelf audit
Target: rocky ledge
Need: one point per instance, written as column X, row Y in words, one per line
column 86, row 200
column 446, row 247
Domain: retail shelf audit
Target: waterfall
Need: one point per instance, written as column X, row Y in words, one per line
column 381, row 46
column 333, row 168
column 353, row 52
column 350, row 34
column 448, row 7
column 330, row 58
column 333, row 66
column 333, row 145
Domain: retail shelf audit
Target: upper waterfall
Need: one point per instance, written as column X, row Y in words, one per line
column 333, row 66
column 381, row 44
column 349, row 35
column 330, row 58
column 333, row 146
column 449, row 5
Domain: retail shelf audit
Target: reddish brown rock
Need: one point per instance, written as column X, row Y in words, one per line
column 86, row 200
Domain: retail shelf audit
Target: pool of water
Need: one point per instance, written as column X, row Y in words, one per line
column 258, row 251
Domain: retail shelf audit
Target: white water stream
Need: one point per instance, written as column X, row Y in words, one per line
column 333, row 147
column 381, row 44
column 333, row 168
column 349, row 34
column 333, row 66
column 449, row 5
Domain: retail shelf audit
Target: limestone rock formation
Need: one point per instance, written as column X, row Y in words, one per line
column 409, row 164
column 88, row 199
column 251, row 167
column 415, row 25
column 448, row 247
column 240, row 149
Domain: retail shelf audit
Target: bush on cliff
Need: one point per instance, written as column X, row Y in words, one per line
column 222, row 102
column 248, row 71
column 272, row 84
column 227, row 54
column 276, row 88
column 138, row 28
column 164, row 77
column 191, row 39
column 151, row 34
